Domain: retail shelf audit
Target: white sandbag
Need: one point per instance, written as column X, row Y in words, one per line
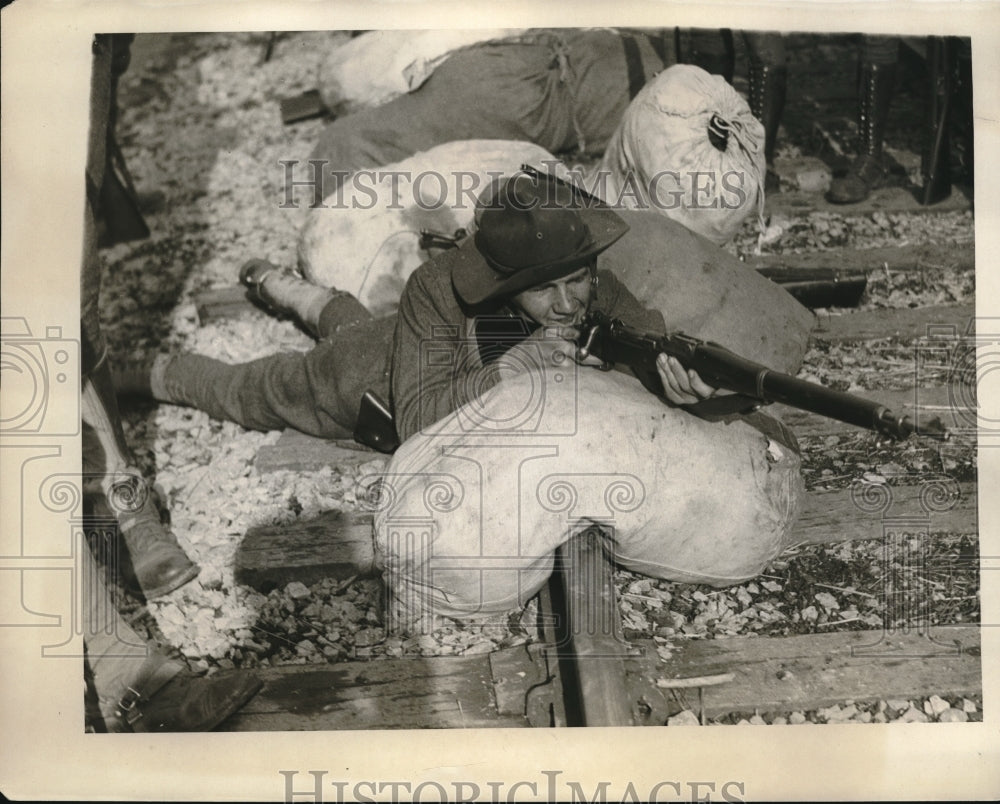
column 377, row 66
column 661, row 156
column 366, row 239
column 473, row 508
column 707, row 293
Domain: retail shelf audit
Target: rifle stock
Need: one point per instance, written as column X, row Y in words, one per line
column 612, row 341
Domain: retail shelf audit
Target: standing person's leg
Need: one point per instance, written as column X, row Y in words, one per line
column 159, row 563
column 768, row 78
column 711, row 49
column 877, row 83
column 136, row 688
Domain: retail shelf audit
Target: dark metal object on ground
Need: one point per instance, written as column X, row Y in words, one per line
column 820, row 287
column 592, row 650
column 305, row 106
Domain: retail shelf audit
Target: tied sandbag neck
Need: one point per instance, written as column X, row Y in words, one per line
column 722, row 132
column 718, row 133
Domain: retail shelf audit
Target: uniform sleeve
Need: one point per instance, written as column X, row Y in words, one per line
column 435, row 367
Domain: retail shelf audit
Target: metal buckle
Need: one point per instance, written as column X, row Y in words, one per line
column 126, row 708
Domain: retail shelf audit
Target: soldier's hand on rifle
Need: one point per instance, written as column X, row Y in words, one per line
column 682, row 386
column 546, row 347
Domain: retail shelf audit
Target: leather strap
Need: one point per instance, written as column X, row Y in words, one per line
column 633, row 63
column 659, row 45
column 154, row 673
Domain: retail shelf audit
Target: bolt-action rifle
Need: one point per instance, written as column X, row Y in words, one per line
column 613, row 342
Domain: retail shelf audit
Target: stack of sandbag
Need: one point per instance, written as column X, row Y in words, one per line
column 366, row 237
column 471, row 509
column 377, row 66
column 688, row 147
column 565, row 89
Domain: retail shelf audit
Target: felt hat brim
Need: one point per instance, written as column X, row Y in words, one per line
column 476, row 282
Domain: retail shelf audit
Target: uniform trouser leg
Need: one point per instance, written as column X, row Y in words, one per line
column 316, row 392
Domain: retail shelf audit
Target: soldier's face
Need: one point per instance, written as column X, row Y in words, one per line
column 560, row 304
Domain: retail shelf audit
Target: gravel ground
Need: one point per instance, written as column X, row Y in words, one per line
column 201, row 130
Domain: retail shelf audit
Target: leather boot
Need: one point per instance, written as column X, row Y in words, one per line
column 158, row 564
column 285, row 293
column 878, row 82
column 184, row 703
column 768, row 84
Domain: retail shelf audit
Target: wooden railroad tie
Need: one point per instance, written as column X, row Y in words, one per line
column 338, row 544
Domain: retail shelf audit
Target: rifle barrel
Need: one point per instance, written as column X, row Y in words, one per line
column 724, row 369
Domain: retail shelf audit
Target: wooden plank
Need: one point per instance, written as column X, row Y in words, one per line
column 335, row 544
column 769, row 675
column 445, row 692
column 840, row 516
column 885, row 199
column 515, row 672
column 950, row 404
column 300, row 452
column 339, row 545
column 896, row 323
column 808, row 672
column 897, row 258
